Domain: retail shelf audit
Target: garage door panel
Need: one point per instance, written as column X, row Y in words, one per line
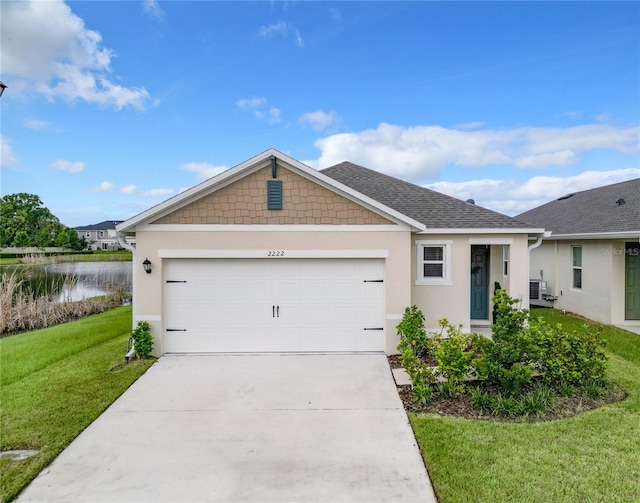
column 251, row 305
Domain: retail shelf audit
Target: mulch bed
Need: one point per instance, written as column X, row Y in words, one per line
column 461, row 406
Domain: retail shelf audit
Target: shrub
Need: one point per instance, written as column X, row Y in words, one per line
column 423, row 393
column 412, row 332
column 512, row 355
column 569, row 357
column 143, row 342
column 455, row 354
column 505, row 365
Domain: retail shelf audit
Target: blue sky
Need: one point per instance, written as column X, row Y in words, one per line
column 113, row 107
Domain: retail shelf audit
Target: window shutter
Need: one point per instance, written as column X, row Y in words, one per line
column 274, row 194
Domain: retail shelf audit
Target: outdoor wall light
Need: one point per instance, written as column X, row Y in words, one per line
column 147, row 265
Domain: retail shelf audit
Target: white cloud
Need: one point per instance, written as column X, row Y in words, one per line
column 152, row 9
column 68, row 166
column 320, row 120
column 282, row 29
column 157, row 192
column 128, row 189
column 203, row 170
column 418, row 153
column 48, row 49
column 35, row 124
column 513, row 197
column 103, row 187
column 279, row 28
column 7, row 157
column 260, row 109
column 251, row 103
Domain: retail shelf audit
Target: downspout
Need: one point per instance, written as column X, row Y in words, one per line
column 545, row 234
column 131, row 350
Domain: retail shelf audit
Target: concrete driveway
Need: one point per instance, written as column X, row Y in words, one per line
column 246, row 428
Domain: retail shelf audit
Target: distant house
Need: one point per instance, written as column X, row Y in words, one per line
column 590, row 264
column 272, row 255
column 100, row 236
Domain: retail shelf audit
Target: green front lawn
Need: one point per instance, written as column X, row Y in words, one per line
column 593, row 457
column 54, row 383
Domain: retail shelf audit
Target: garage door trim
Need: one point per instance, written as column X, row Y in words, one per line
column 273, row 253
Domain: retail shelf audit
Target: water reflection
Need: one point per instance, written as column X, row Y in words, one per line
column 71, row 281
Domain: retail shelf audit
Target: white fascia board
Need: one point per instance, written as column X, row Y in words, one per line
column 270, row 228
column 597, row 235
column 494, row 230
column 272, row 254
column 491, row 241
column 254, row 164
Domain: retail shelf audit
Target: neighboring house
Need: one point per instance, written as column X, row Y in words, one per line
column 101, row 236
column 590, row 264
column 272, row 255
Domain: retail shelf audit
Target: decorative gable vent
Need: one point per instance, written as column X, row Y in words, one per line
column 620, row 202
column 274, row 194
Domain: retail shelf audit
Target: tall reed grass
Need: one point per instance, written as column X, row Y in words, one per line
column 21, row 310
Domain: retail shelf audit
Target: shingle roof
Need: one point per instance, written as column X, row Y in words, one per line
column 591, row 211
column 433, row 209
column 102, row 226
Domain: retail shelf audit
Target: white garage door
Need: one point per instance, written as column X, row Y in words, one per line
column 256, row 305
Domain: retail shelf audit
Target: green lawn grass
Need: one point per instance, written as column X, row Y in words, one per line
column 593, row 457
column 54, row 383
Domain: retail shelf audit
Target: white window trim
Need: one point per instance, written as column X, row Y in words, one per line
column 506, row 250
column 420, row 279
column 574, row 267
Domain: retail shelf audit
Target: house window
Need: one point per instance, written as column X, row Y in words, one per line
column 87, row 234
column 505, row 260
column 576, row 252
column 434, row 262
column 101, row 234
column 105, row 246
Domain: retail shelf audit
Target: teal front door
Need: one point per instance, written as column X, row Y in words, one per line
column 632, row 281
column 479, row 282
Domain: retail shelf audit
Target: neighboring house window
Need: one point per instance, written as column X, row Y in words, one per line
column 105, row 246
column 434, row 262
column 101, row 234
column 87, row 234
column 505, row 260
column 576, row 252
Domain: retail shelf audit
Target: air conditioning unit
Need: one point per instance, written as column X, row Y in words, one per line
column 538, row 295
column 537, row 289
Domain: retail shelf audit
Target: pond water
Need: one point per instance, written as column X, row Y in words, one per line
column 74, row 280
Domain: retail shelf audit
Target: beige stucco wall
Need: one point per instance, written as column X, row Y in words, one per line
column 452, row 301
column 244, row 202
column 149, row 287
column 602, row 295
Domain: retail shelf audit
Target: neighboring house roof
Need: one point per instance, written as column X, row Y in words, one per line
column 102, row 226
column 433, row 209
column 603, row 211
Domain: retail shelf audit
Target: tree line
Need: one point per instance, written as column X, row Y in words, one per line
column 26, row 222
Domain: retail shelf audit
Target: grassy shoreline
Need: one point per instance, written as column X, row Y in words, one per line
column 42, row 259
column 592, row 457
